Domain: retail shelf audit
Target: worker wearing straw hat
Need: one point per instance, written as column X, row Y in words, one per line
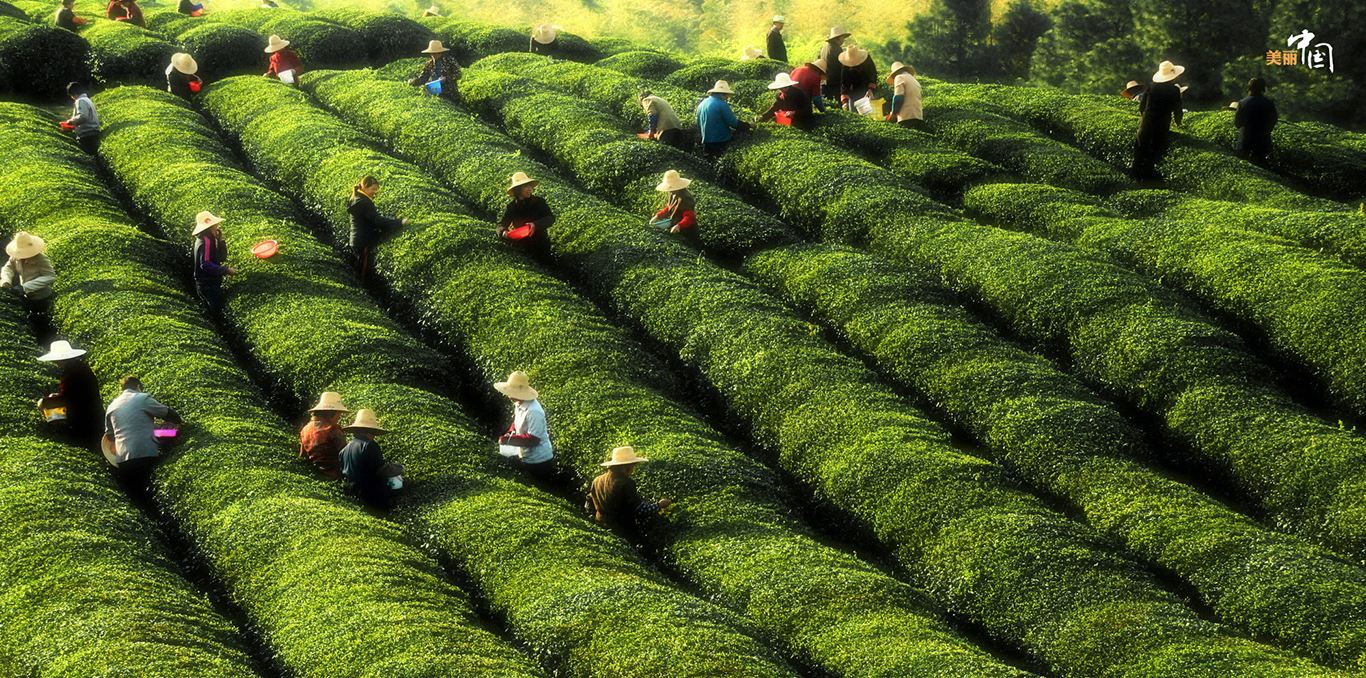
column 210, row 260
column 777, row 48
column 527, row 440
column 321, row 440
column 181, row 78
column 527, row 218
column 1159, row 109
column 830, row 52
column 792, row 107
column 679, row 215
column 858, row 75
column 129, row 440
column 431, row 11
column 809, row 77
column 285, row 63
column 78, row 390
column 1255, row 116
column 545, row 39
column 362, row 462
column 29, row 274
column 613, row 499
column 441, row 73
column 368, row 227
column 1133, row 91
column 716, row 119
column 84, row 122
column 907, row 108
column 661, row 122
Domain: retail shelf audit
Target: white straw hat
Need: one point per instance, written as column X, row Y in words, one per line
column 721, row 87
column 545, row 33
column 819, row 64
column 837, row 32
column 624, row 456
column 329, row 402
column 898, row 67
column 366, row 421
column 1167, row 71
column 780, row 81
column 433, row 11
column 520, row 179
column 751, row 53
column 435, row 47
column 61, row 350
column 25, row 245
column 276, row 44
column 778, row 18
column 204, row 221
column 517, row 386
column 672, row 181
column 853, row 56
column 184, row 63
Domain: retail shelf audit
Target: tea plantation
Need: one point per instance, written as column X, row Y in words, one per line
column 957, row 400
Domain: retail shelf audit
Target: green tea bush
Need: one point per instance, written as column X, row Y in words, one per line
column 587, row 583
column 331, row 589
column 86, row 586
column 386, row 36
column 1123, row 333
column 319, row 42
column 122, row 52
column 642, row 63
column 222, row 50
column 1106, row 132
column 1305, row 303
column 700, row 74
column 1035, row 578
column 470, row 41
column 1059, row 436
column 39, row 60
column 733, row 520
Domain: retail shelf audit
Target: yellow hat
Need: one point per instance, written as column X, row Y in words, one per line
column 366, row 421
column 624, row 456
column 276, row 44
column 672, row 181
column 329, row 402
column 517, row 386
column 25, row 245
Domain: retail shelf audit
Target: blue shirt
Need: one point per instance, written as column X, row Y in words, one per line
column 716, row 120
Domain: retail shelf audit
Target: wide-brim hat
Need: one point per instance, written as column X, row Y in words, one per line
column 818, row 64
column 435, row 47
column 184, row 63
column 366, row 421
column 25, row 245
column 545, row 33
column 721, row 87
column 61, row 350
column 624, row 456
column 672, row 181
column 897, row 68
column 1167, row 71
column 1132, row 85
column 751, row 53
column 204, row 221
column 520, row 179
column 853, row 56
column 276, row 44
column 781, row 81
column 517, row 386
column 329, row 402
column 433, row 11
column 778, row 19
column 837, row 32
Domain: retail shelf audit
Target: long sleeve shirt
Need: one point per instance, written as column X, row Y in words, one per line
column 210, row 259
column 834, row 70
column 34, row 275
column 178, row 83
column 368, row 227
column 613, row 500
column 1255, row 118
column 85, row 118
column 906, row 98
column 1160, row 105
column 129, row 13
column 533, row 210
column 808, row 79
column 79, row 389
column 530, row 432
column 361, row 461
column 716, row 120
column 858, row 80
column 660, row 115
column 444, row 68
column 680, row 209
column 188, row 7
column 131, row 421
column 285, row 60
column 794, row 101
column 321, row 443
column 66, row 19
column 777, row 49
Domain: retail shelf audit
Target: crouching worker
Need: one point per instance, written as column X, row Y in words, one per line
column 321, row 440
column 661, row 123
column 527, row 441
column 792, row 108
column 441, row 74
column 130, row 441
column 28, row 274
column 368, row 476
column 78, row 391
column 612, row 497
column 527, row 218
column 679, row 215
column 285, row 63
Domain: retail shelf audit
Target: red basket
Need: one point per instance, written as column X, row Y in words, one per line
column 523, row 231
column 66, row 125
column 196, row 85
column 783, row 118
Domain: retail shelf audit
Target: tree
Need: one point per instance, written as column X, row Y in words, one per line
column 1015, row 36
column 951, row 37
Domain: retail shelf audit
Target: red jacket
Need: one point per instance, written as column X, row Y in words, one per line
column 808, row 80
column 285, row 60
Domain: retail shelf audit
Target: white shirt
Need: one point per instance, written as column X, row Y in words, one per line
column 528, row 418
column 131, row 420
column 905, row 85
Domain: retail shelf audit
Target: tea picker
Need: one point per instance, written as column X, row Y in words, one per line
column 716, row 120
column 612, row 498
column 777, row 48
column 858, row 77
column 181, row 78
column 545, row 40
column 28, row 274
column 440, row 74
column 1159, row 109
column 66, row 16
column 809, row 78
column 368, row 476
column 77, row 398
column 321, row 440
column 907, row 107
column 368, row 227
column 1255, row 116
column 661, row 122
column 210, row 260
column 84, row 122
column 132, row 440
column 284, row 62
column 190, row 8
column 679, row 215
column 792, row 108
column 829, row 54
column 527, row 218
column 527, row 441
column 126, row 11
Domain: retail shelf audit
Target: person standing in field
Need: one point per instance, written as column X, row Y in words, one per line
column 321, row 440
column 368, row 226
column 210, row 260
column 527, row 218
column 527, row 440
column 1255, row 117
column 545, row 40
column 29, row 274
column 830, row 54
column 661, row 123
column 907, row 109
column 858, row 76
column 78, row 390
column 777, row 48
column 612, row 498
column 1159, row 109
column 716, row 119
column 285, row 63
column 441, row 68
column 129, row 434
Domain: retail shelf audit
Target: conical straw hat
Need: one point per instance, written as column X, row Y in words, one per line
column 204, row 221
column 624, row 456
column 366, row 421
column 517, row 386
column 25, row 245
column 329, row 402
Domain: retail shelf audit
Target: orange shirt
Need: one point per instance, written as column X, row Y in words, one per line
column 321, row 443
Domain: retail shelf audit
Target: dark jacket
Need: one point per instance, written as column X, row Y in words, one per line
column 368, row 228
column 1160, row 105
column 777, row 49
column 80, row 390
column 66, row 19
column 613, row 500
column 210, row 259
column 1255, row 118
column 545, row 50
column 186, row 6
column 533, row 209
column 795, row 101
column 856, row 81
column 444, row 68
column 834, row 70
column 361, row 461
column 178, row 83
